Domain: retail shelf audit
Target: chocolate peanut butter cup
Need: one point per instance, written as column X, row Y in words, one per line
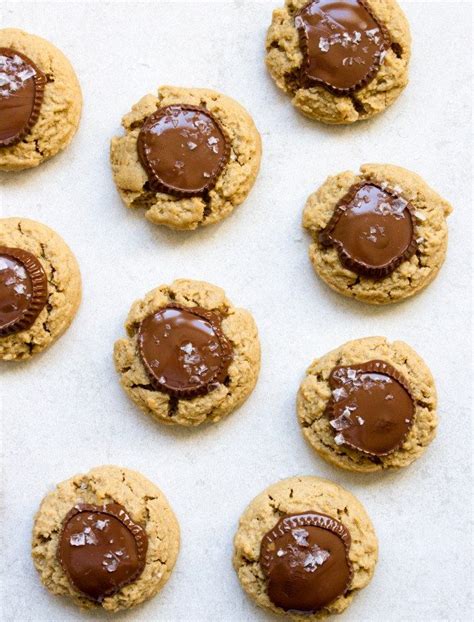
column 343, row 44
column 23, row 289
column 101, row 549
column 371, row 408
column 305, row 559
column 184, row 350
column 183, row 149
column 373, row 229
column 21, row 95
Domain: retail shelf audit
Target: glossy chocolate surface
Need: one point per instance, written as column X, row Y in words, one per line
column 101, row 549
column 343, row 44
column 371, row 408
column 184, row 350
column 305, row 559
column 21, row 95
column 23, row 289
column 183, row 150
column 373, row 230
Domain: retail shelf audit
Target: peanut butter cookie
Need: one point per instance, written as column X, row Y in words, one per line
column 107, row 539
column 40, row 100
column 340, row 62
column 188, row 157
column 368, row 405
column 189, row 356
column 40, row 287
column 379, row 236
column 304, row 548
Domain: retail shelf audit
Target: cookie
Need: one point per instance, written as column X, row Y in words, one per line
column 40, row 287
column 107, row 539
column 379, row 236
column 304, row 548
column 340, row 62
column 190, row 357
column 188, row 157
column 368, row 405
column 40, row 100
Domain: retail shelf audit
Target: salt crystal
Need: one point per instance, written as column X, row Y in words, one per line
column 77, row 539
column 188, row 348
column 300, row 536
column 315, row 559
column 420, row 216
column 111, row 563
column 101, row 524
column 324, row 44
column 346, row 39
column 360, row 420
column 281, row 553
column 339, row 439
column 192, row 146
column 339, row 394
column 389, row 397
column 341, row 423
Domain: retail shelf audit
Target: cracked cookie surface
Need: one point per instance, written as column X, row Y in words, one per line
column 412, row 275
column 233, row 184
column 238, row 327
column 60, row 110
column 294, row 496
column 146, row 505
column 315, row 392
column 64, row 286
column 284, row 59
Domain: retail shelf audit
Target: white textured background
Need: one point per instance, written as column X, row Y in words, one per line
column 64, row 412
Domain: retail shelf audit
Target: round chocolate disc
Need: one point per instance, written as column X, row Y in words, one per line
column 373, row 230
column 343, row 45
column 184, row 350
column 101, row 549
column 183, row 150
column 305, row 559
column 21, row 95
column 23, row 289
column 371, row 408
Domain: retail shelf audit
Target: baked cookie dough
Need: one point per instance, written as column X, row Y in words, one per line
column 304, row 548
column 190, row 357
column 188, row 157
column 368, row 405
column 40, row 100
column 40, row 287
column 340, row 62
column 379, row 236
column 107, row 539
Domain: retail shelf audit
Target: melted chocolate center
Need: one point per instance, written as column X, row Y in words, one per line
column 371, row 408
column 21, row 95
column 305, row 558
column 101, row 549
column 184, row 350
column 343, row 44
column 373, row 230
column 23, row 289
column 183, row 150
